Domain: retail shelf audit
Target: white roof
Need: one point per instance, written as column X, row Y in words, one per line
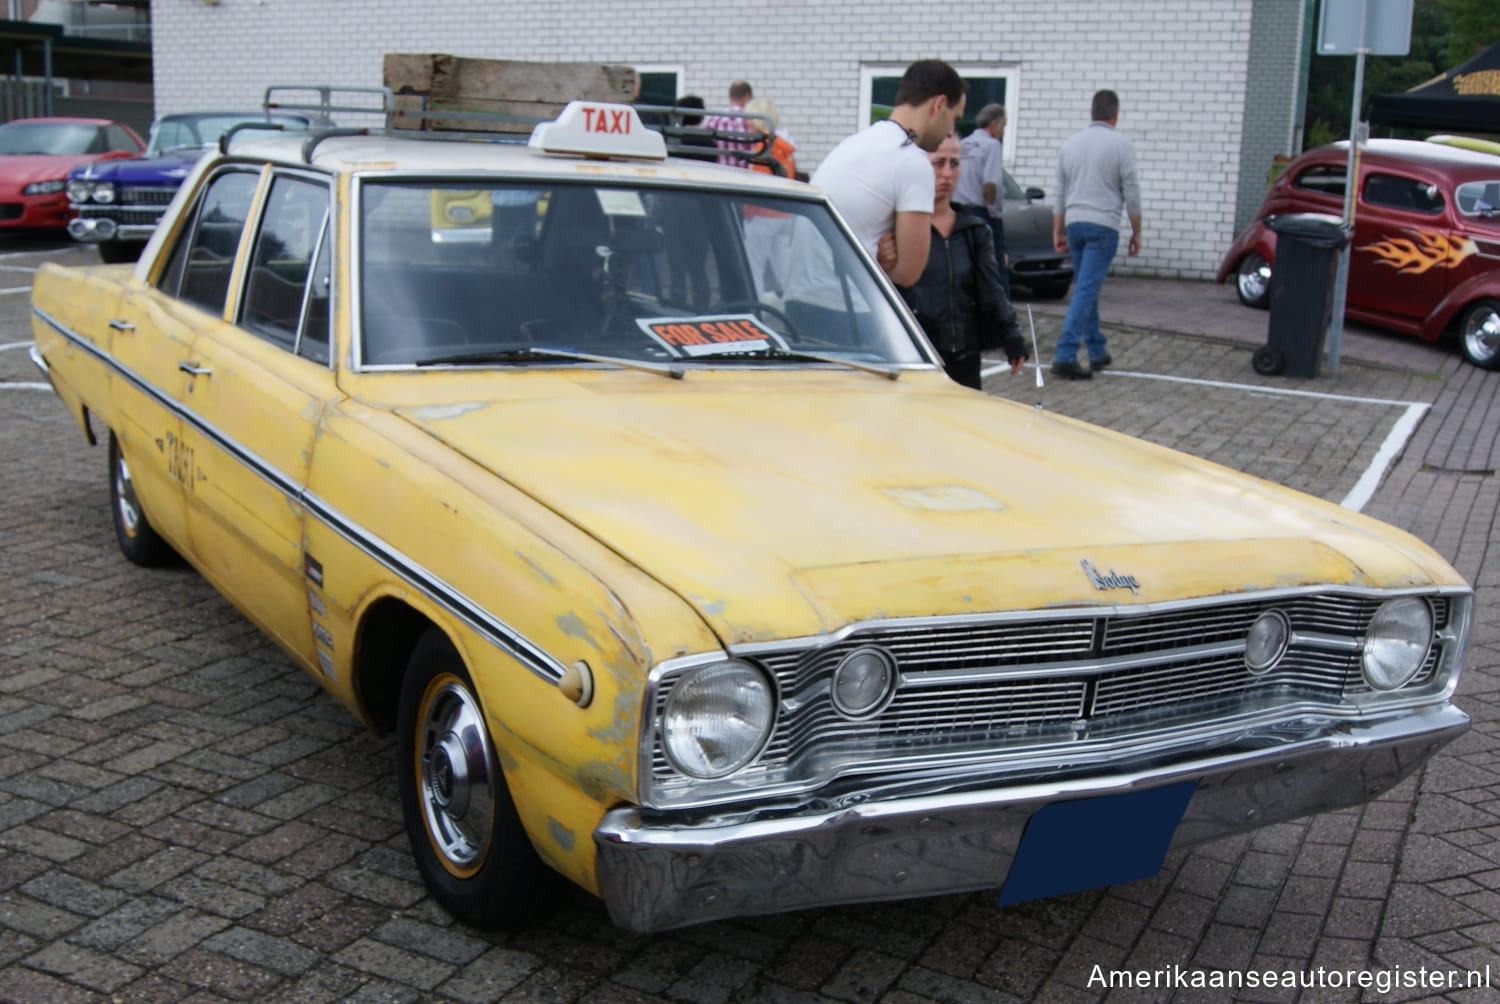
column 427, row 155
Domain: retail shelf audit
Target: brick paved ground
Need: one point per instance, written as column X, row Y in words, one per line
column 184, row 817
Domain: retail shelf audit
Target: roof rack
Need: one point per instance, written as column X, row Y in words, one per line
column 668, row 120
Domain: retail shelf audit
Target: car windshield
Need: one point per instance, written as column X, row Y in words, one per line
column 65, row 138
column 197, row 132
column 496, row 275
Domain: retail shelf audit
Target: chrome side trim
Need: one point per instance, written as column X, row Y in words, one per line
column 494, row 630
column 39, row 361
column 664, row 870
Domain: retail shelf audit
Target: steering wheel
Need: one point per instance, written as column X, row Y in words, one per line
column 756, row 306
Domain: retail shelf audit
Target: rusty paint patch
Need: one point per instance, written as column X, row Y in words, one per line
column 560, row 833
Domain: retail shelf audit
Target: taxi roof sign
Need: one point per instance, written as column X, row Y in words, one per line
column 599, row 129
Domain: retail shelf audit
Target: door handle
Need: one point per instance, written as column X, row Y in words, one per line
column 119, row 325
column 194, row 369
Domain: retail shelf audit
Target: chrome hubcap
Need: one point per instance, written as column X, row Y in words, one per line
column 1482, row 335
column 1254, row 278
column 125, row 500
column 457, row 786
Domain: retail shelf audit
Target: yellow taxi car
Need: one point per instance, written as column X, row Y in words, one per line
column 716, row 598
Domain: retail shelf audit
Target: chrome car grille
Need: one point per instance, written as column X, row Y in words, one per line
column 983, row 686
column 146, row 196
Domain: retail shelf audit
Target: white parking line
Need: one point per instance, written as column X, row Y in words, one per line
column 1364, row 489
column 20, row 385
column 14, row 345
column 17, row 268
column 16, row 289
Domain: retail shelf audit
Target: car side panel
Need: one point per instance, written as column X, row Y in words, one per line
column 257, row 408
column 82, row 301
column 391, row 512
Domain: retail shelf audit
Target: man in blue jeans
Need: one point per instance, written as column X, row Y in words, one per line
column 1095, row 181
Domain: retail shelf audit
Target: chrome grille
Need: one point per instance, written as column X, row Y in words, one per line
column 145, row 196
column 982, row 684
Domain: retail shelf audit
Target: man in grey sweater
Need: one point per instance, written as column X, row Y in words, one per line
column 1095, row 181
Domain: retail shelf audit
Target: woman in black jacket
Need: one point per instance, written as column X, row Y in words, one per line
column 959, row 299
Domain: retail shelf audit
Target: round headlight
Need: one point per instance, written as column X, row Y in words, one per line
column 864, row 682
column 718, row 718
column 104, row 191
column 1266, row 642
column 79, row 190
column 1397, row 642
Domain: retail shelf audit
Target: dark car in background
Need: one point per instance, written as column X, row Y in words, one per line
column 1425, row 252
column 36, row 155
column 1034, row 262
column 119, row 203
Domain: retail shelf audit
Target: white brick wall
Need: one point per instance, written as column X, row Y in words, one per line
column 1179, row 66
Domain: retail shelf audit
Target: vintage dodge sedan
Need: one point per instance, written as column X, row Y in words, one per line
column 716, row 601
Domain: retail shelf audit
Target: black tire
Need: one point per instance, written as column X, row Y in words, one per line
column 139, row 541
column 1252, row 281
column 1054, row 290
column 1479, row 333
column 120, row 252
column 1268, row 361
column 465, row 834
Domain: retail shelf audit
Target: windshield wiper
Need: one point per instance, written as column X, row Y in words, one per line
column 532, row 352
column 889, row 372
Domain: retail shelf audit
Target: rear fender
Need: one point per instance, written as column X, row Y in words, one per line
column 1486, row 284
column 1257, row 238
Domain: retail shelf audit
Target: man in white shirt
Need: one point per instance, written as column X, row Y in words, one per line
column 880, row 179
column 981, row 178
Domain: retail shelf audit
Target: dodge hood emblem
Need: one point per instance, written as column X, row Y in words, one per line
column 1110, row 579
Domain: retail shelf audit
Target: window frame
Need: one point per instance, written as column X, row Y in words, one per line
column 186, row 236
column 1008, row 72
column 260, row 210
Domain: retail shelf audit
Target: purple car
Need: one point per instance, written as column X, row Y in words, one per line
column 118, row 203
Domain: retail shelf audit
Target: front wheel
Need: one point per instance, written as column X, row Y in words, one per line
column 465, row 833
column 139, row 541
column 1479, row 334
column 1252, row 281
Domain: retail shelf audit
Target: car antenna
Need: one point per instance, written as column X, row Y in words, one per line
column 1037, row 355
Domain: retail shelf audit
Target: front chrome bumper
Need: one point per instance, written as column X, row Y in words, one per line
column 656, row 872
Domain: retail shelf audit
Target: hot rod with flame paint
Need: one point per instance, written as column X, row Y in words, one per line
column 1425, row 252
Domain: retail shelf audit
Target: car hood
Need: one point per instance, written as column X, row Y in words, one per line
column 792, row 507
column 165, row 170
column 24, row 168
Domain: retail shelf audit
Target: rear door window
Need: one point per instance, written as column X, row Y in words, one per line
column 1395, row 191
column 200, row 264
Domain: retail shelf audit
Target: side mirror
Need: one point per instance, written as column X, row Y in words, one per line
column 1034, row 194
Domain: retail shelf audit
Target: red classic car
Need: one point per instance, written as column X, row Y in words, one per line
column 1425, row 252
column 36, row 156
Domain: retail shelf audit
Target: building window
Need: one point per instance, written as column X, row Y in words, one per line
column 659, row 84
column 987, row 85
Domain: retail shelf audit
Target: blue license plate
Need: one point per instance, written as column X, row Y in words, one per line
column 1095, row 842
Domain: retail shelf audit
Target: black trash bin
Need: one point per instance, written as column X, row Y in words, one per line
column 1307, row 259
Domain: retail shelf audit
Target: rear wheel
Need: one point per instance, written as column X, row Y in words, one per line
column 139, row 542
column 1479, row 334
column 465, row 834
column 1252, row 281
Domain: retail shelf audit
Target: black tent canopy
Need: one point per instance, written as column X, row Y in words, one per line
column 1465, row 99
